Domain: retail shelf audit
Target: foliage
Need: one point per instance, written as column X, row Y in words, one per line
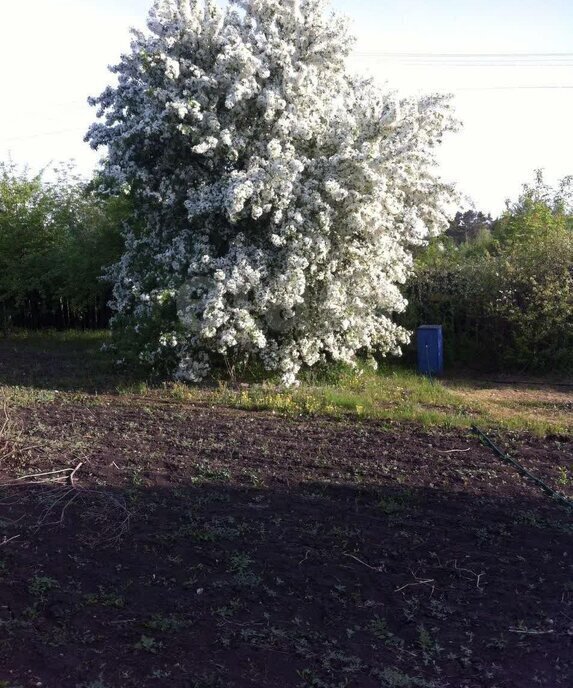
column 468, row 226
column 56, row 237
column 506, row 297
column 44, row 367
column 278, row 195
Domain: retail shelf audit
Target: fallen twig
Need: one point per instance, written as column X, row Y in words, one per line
column 6, row 541
column 529, row 631
column 73, row 473
column 56, row 491
column 120, row 506
column 452, row 451
column 51, row 507
column 378, row 569
column 477, row 576
column 40, row 475
column 418, row 582
column 55, row 476
column 6, row 422
column 9, row 440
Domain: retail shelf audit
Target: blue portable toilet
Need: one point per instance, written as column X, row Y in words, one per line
column 430, row 340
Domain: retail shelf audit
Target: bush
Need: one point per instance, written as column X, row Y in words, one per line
column 505, row 298
column 57, row 238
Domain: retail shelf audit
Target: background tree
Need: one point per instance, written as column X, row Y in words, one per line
column 57, row 238
column 278, row 195
column 505, row 297
column 467, row 226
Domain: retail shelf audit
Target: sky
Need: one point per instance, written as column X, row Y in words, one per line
column 508, row 64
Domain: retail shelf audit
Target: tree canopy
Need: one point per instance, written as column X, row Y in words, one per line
column 278, row 195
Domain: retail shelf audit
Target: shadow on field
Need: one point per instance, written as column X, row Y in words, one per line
column 67, row 362
column 208, row 584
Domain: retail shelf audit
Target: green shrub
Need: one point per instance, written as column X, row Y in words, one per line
column 57, row 237
column 505, row 297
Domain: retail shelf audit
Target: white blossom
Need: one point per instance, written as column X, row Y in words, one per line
column 278, row 196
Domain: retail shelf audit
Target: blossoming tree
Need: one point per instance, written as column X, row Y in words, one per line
column 278, row 194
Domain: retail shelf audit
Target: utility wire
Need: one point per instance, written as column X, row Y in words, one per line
column 431, row 54
column 467, row 56
column 41, row 134
column 472, row 59
column 508, row 88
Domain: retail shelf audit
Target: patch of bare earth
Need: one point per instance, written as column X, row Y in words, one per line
column 201, row 547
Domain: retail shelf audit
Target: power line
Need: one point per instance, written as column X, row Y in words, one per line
column 472, row 59
column 69, row 105
column 479, row 65
column 509, row 88
column 43, row 133
column 466, row 55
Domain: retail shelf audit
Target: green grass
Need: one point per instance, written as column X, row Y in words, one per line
column 54, row 338
column 396, row 394
column 71, row 366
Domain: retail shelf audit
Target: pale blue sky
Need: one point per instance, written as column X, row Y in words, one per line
column 517, row 110
column 466, row 25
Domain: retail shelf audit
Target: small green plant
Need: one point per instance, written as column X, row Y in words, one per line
column 137, row 479
column 105, row 598
column 427, row 644
column 98, row 683
column 158, row 622
column 393, row 504
column 254, row 478
column 39, row 586
column 160, row 673
column 207, row 473
column 564, row 478
column 379, row 627
column 439, row 609
column 529, row 518
column 499, row 643
column 230, row 609
column 133, row 388
column 411, row 608
column 394, row 678
column 240, row 562
column 148, row 644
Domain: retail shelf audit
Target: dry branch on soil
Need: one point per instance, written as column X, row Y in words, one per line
column 417, row 581
column 62, row 475
column 11, row 438
column 6, row 429
column 55, row 491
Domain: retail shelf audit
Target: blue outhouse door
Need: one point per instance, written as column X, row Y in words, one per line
column 430, row 350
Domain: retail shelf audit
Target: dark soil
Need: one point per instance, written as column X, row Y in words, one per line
column 201, row 547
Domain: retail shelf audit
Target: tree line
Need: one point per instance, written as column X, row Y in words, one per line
column 502, row 288
column 58, row 235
